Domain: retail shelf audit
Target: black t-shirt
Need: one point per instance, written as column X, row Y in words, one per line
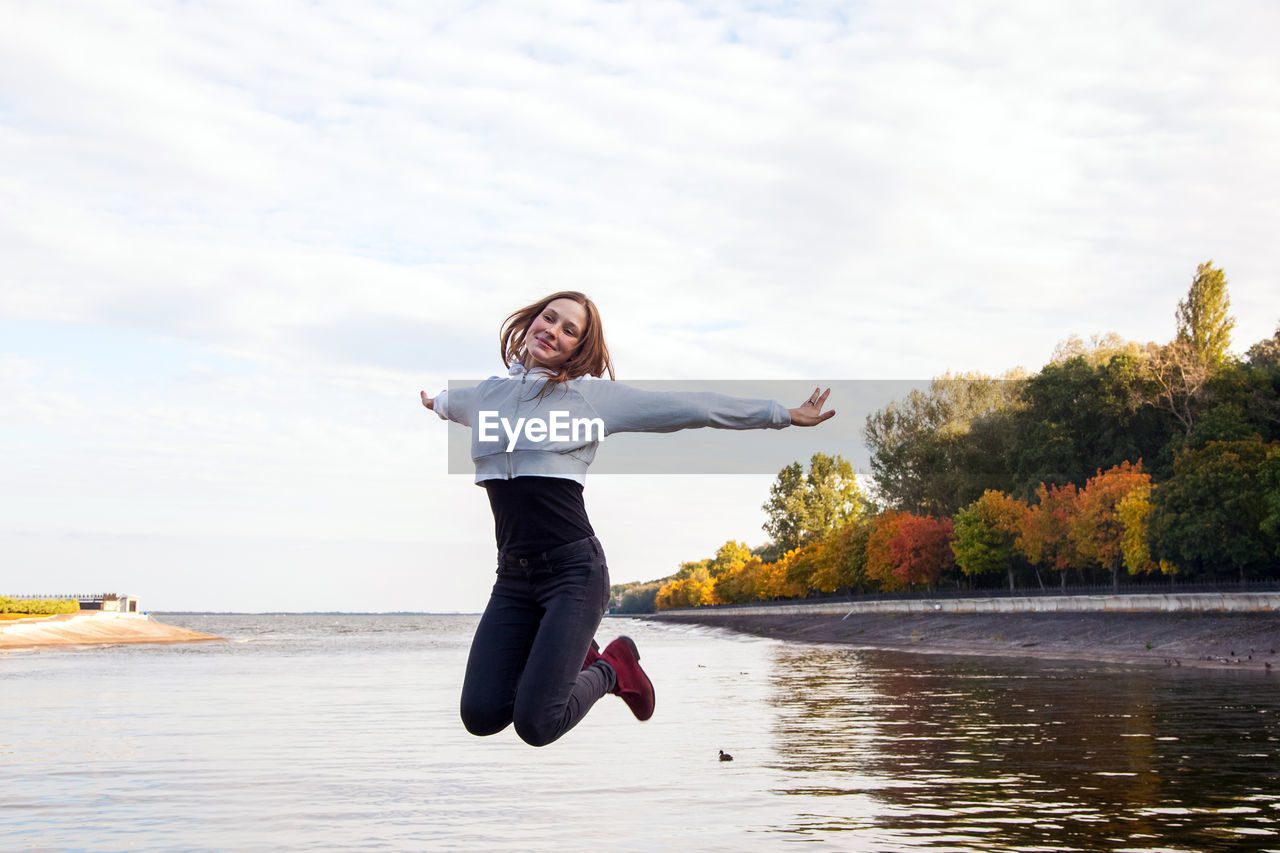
column 533, row 514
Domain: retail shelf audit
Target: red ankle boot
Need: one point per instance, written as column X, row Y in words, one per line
column 633, row 685
column 593, row 654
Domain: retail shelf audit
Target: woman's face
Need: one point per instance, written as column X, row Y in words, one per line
column 555, row 334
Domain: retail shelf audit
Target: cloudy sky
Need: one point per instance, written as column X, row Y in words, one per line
column 237, row 238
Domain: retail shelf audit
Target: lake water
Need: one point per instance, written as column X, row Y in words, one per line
column 341, row 733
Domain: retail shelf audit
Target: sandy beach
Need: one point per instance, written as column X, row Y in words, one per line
column 1243, row 641
column 92, row 628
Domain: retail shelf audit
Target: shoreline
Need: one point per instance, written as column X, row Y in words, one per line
column 89, row 628
column 1206, row 640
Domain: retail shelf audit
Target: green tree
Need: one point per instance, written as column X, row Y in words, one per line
column 730, row 555
column 1203, row 321
column 1269, row 479
column 785, row 509
column 1266, row 352
column 1209, row 516
column 637, row 597
column 936, row 450
column 805, row 507
column 986, row 535
column 1254, row 387
column 1077, row 418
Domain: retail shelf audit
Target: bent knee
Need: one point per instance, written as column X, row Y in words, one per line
column 537, row 732
column 484, row 721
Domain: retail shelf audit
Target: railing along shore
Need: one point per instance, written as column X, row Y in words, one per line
column 1202, row 598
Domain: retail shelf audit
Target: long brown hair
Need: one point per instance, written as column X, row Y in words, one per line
column 591, row 358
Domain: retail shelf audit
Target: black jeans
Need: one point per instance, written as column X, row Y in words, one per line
column 526, row 658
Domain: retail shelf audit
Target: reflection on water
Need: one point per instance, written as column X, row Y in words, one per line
column 988, row 754
column 333, row 732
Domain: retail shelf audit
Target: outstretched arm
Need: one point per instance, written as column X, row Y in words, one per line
column 451, row 405
column 627, row 409
column 810, row 411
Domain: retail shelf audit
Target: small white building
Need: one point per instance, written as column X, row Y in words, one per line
column 113, row 602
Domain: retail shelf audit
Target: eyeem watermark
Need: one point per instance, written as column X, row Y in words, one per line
column 689, row 451
column 559, row 427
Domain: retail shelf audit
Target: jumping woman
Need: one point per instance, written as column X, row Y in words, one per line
column 534, row 660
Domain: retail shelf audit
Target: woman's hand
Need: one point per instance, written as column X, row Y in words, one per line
column 810, row 412
column 428, row 402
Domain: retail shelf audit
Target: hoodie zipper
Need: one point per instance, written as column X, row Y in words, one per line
column 516, row 414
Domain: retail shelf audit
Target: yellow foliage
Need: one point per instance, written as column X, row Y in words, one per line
column 1134, row 511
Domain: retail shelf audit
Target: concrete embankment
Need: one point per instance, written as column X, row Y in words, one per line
column 92, row 628
column 1194, row 602
column 1237, row 630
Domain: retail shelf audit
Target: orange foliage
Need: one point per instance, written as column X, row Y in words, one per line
column 696, row 590
column 884, row 529
column 1046, row 538
column 1096, row 526
column 740, row 582
column 830, row 571
column 774, row 580
column 1003, row 513
column 921, row 551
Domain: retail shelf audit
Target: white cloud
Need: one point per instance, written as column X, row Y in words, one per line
column 346, row 201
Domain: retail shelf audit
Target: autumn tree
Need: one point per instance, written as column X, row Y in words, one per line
column 691, row 586
column 843, row 562
column 1096, row 526
column 1046, row 537
column 695, row 589
column 986, row 534
column 774, row 583
column 880, row 565
column 1134, row 511
column 803, row 563
column 921, row 552
column 741, row 582
column 729, row 556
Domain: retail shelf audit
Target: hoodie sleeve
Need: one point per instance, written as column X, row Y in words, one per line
column 627, row 409
column 455, row 405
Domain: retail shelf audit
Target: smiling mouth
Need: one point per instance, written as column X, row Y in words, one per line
column 540, row 342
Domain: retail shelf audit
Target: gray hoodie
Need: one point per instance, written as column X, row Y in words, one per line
column 514, row 433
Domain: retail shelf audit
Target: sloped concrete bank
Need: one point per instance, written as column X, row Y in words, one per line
column 93, row 628
column 1219, row 630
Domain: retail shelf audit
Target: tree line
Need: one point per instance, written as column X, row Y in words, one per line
column 37, row 606
column 1116, row 460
